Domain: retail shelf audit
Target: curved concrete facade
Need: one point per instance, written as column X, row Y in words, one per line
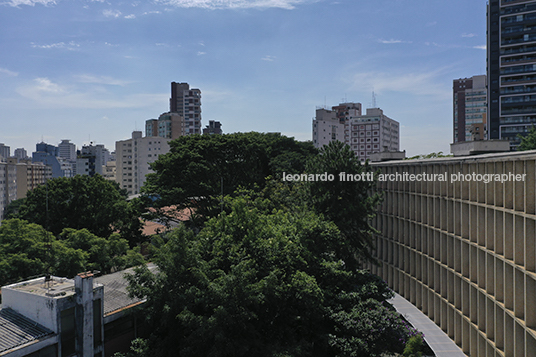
column 464, row 252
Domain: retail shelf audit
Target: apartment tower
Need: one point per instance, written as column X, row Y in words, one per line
column 469, row 109
column 186, row 102
column 511, row 68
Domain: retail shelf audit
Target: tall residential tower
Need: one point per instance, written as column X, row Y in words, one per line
column 511, row 68
column 470, row 109
column 186, row 102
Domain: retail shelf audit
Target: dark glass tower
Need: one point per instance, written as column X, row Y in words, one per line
column 511, row 68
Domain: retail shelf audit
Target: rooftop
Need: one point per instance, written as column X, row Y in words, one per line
column 17, row 330
column 115, row 290
column 56, row 287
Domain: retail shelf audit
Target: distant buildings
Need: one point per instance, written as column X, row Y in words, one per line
column 20, row 153
column 17, row 177
column 511, row 68
column 168, row 125
column 366, row 134
column 91, row 160
column 67, row 150
column 133, row 157
column 213, row 127
column 470, row 109
column 186, row 102
column 4, row 151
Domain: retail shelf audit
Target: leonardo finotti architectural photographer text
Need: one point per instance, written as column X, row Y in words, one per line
column 407, row 177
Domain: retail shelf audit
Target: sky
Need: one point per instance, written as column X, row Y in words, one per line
column 94, row 71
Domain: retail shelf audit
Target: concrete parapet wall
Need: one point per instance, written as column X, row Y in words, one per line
column 464, row 252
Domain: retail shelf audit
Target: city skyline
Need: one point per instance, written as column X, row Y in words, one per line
column 96, row 71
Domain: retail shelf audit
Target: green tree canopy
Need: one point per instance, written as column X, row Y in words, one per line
column 199, row 167
column 81, row 202
column 27, row 249
column 348, row 200
column 528, row 142
column 262, row 282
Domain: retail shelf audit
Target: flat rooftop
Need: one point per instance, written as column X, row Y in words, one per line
column 55, row 287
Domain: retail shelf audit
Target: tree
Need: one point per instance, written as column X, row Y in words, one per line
column 27, row 249
column 432, row 155
column 528, row 142
column 348, row 199
column 262, row 282
column 104, row 255
column 198, row 169
column 81, row 202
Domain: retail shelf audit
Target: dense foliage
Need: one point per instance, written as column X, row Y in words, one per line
column 199, row 168
column 273, row 268
column 93, row 203
column 27, row 249
column 349, row 204
column 261, row 283
column 528, row 142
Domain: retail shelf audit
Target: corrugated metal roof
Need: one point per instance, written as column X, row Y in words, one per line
column 115, row 290
column 17, row 330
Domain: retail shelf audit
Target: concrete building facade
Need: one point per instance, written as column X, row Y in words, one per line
column 469, row 109
column 168, row 125
column 464, row 251
column 133, row 157
column 87, row 316
column 67, row 150
column 213, row 128
column 372, row 133
column 511, row 68
column 186, row 102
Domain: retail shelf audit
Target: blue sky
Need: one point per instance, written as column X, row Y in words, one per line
column 96, row 70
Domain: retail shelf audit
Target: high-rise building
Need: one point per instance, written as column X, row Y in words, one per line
column 371, row 133
column 133, row 157
column 4, row 151
column 20, row 153
column 366, row 134
column 168, row 125
column 470, row 109
column 186, row 102
column 213, row 127
column 511, row 68
column 327, row 127
column 67, row 150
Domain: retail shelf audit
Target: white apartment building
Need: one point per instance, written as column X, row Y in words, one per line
column 371, row 133
column 67, row 150
column 133, row 157
column 366, row 134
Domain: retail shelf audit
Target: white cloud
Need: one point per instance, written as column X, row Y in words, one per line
column 111, row 13
column 393, row 41
column 69, row 46
column 17, row 3
column 481, row 47
column 48, row 94
column 423, row 83
column 469, row 35
column 87, row 78
column 236, row 4
column 45, row 85
column 268, row 58
column 151, row 12
column 131, row 16
column 201, row 53
column 8, row 72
